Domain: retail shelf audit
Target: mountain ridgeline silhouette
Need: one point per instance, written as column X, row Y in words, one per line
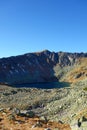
column 36, row 67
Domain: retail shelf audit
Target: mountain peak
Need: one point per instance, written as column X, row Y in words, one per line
column 36, row 67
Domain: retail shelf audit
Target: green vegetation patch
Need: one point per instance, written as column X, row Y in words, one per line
column 85, row 89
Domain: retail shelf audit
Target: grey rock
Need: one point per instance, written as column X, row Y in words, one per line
column 16, row 111
column 60, row 122
column 2, row 109
column 38, row 124
column 44, row 118
column 24, row 113
column 30, row 114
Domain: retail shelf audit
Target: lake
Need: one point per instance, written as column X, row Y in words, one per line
column 46, row 85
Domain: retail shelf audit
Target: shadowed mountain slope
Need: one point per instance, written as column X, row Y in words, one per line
column 42, row 66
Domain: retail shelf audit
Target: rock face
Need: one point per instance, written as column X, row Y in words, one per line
column 35, row 67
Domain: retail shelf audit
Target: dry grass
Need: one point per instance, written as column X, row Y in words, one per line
column 26, row 124
column 79, row 71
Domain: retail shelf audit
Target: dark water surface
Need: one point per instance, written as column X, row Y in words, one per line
column 47, row 85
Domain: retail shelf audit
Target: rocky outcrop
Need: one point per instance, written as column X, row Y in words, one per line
column 35, row 67
column 80, row 124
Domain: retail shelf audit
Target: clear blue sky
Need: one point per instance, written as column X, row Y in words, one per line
column 35, row 25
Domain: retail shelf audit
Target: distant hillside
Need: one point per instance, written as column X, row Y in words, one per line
column 43, row 67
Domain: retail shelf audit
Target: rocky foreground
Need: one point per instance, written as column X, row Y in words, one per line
column 10, row 121
column 44, row 109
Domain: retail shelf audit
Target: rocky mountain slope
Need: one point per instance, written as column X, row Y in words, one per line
column 37, row 67
column 60, row 106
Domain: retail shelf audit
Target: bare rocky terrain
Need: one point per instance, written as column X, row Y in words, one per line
column 55, row 108
column 64, row 105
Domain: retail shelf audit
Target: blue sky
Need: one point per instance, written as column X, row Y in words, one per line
column 35, row 25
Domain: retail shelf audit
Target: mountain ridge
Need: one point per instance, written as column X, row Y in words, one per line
column 36, row 67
